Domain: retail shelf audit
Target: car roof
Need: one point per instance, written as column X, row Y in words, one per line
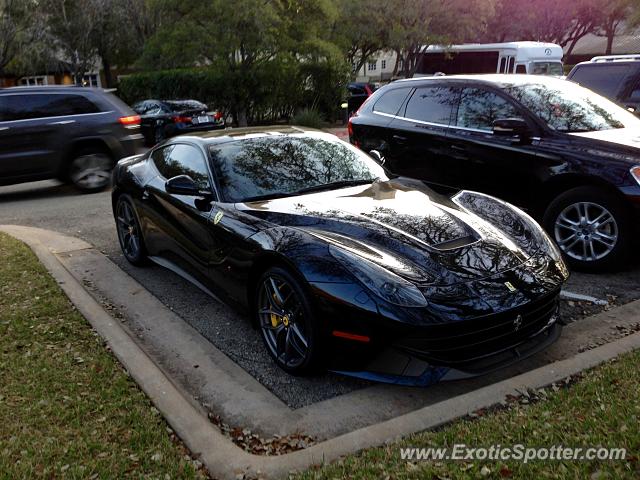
column 50, row 88
column 233, row 134
column 496, row 79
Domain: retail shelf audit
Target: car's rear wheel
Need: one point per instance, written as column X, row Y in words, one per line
column 129, row 232
column 287, row 323
column 591, row 227
column 90, row 170
column 158, row 134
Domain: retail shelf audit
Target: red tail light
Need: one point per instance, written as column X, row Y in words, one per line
column 130, row 121
column 181, row 119
column 350, row 128
column 217, row 115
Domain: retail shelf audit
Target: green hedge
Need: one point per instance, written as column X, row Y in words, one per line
column 269, row 92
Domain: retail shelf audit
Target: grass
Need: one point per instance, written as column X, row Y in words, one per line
column 67, row 408
column 601, row 409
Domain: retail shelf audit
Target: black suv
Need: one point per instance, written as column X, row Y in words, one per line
column 564, row 153
column 616, row 77
column 74, row 134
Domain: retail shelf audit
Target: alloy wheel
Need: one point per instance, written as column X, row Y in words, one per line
column 281, row 317
column 128, row 230
column 91, row 171
column 586, row 231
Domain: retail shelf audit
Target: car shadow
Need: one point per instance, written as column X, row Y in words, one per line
column 36, row 190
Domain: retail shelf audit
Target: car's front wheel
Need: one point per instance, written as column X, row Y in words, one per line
column 129, row 232
column 591, row 227
column 289, row 329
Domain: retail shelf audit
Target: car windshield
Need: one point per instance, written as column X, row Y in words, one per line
column 548, row 68
column 567, row 107
column 279, row 166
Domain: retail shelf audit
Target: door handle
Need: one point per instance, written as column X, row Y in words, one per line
column 458, row 148
column 399, row 139
column 63, row 122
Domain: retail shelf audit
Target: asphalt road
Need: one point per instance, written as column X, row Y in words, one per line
column 60, row 208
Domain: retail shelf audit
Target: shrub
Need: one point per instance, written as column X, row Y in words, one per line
column 266, row 93
column 308, row 117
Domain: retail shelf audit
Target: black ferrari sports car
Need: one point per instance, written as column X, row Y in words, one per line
column 340, row 264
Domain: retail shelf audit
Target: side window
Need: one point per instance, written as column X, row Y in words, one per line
column 24, row 107
column 140, row 108
column 182, row 159
column 432, row 104
column 479, row 108
column 520, row 68
column 391, row 101
column 34, row 105
column 603, row 79
column 73, row 105
column 634, row 94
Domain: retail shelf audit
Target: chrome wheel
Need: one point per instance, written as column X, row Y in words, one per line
column 91, row 171
column 281, row 317
column 586, row 231
column 128, row 231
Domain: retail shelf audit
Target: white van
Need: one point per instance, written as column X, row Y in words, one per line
column 536, row 58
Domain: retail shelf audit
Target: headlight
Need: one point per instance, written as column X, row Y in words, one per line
column 523, row 230
column 635, row 173
column 380, row 281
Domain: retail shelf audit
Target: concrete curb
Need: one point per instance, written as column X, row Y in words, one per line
column 225, row 460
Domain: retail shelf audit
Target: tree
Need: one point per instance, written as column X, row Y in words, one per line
column 241, row 39
column 360, row 31
column 615, row 13
column 18, row 28
column 557, row 21
column 73, row 25
column 416, row 24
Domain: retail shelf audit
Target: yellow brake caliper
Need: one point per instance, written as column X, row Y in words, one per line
column 274, row 320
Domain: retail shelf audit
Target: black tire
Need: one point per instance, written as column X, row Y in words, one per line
column 158, row 134
column 288, row 327
column 89, row 170
column 129, row 232
column 592, row 227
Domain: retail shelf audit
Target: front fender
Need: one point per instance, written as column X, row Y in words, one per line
column 518, row 226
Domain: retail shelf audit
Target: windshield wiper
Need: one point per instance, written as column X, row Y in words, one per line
column 335, row 185
column 268, row 196
column 315, row 188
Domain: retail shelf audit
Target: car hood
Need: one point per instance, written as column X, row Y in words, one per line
column 400, row 219
column 627, row 138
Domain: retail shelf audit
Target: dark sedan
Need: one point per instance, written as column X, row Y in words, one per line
column 563, row 152
column 340, row 264
column 162, row 119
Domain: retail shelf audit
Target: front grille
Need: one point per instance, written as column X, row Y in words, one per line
column 457, row 343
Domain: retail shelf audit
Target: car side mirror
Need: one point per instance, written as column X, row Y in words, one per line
column 182, row 185
column 511, row 127
column 377, row 156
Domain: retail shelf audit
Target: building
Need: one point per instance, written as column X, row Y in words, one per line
column 592, row 45
column 379, row 68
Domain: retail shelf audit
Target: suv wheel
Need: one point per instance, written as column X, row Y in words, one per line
column 90, row 170
column 591, row 227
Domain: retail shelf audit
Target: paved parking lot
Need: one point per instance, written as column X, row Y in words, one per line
column 57, row 207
